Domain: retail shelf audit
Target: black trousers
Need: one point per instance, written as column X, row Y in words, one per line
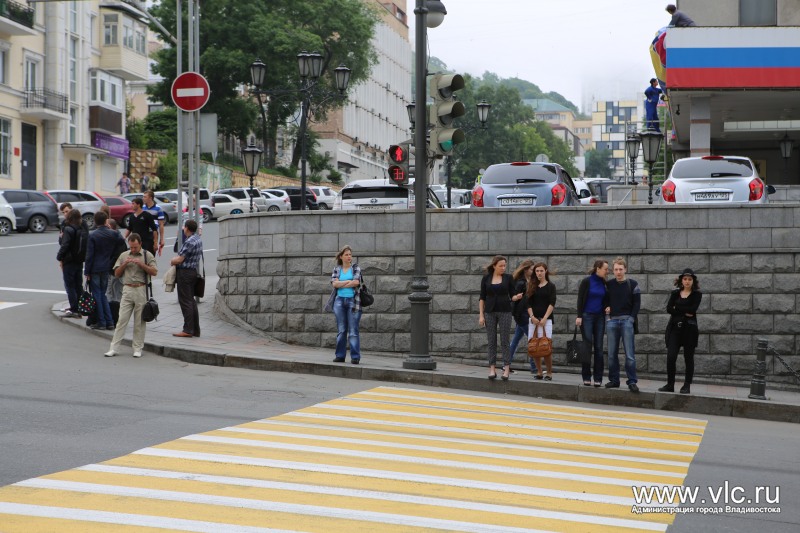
column 677, row 339
column 185, row 280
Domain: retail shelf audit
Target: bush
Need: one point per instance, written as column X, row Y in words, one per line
column 335, row 177
column 168, row 171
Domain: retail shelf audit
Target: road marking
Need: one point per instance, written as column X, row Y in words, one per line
column 389, row 459
column 40, row 291
column 28, row 245
column 9, row 305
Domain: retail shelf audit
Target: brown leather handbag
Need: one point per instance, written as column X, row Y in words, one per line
column 539, row 346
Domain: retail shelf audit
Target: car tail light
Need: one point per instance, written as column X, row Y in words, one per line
column 477, row 196
column 559, row 193
column 594, row 200
column 756, row 189
column 313, row 195
column 668, row 191
column 520, row 164
column 713, row 157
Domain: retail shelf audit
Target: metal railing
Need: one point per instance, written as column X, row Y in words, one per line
column 46, row 99
column 17, row 12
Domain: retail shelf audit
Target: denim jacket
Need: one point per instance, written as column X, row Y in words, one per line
column 335, row 277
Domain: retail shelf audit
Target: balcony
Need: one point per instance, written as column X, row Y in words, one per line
column 105, row 120
column 45, row 104
column 16, row 18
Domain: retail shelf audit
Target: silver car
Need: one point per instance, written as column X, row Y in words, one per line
column 524, row 184
column 325, row 196
column 87, row 202
column 714, row 179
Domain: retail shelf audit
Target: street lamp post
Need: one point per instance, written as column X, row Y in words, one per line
column 786, row 152
column 428, row 13
column 258, row 71
column 632, row 147
column 251, row 157
column 651, row 144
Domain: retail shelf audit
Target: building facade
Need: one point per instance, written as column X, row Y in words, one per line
column 611, row 121
column 63, row 70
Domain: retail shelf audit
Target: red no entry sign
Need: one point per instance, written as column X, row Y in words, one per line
column 190, row 91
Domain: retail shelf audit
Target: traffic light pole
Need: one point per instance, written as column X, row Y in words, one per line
column 420, row 297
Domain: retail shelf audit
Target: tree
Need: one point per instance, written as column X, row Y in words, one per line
column 161, row 129
column 236, row 32
column 598, row 163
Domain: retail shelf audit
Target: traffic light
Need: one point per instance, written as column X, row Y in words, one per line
column 444, row 136
column 399, row 168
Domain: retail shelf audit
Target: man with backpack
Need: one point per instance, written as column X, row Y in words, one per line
column 103, row 242
column 71, row 255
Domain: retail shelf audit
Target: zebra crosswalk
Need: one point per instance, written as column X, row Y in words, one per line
column 384, row 460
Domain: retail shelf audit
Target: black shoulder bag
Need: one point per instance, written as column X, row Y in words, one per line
column 150, row 309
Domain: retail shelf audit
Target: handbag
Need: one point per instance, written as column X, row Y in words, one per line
column 579, row 352
column 150, row 309
column 366, row 297
column 539, row 346
column 200, row 282
column 86, row 302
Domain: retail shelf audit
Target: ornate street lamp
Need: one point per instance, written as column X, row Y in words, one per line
column 410, row 108
column 483, row 112
column 651, row 145
column 251, row 157
column 632, row 147
column 786, row 145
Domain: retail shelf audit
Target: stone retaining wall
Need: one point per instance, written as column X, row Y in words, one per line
column 275, row 269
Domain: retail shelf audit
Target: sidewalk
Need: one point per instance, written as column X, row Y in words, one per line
column 227, row 341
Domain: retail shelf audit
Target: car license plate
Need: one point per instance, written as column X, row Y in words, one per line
column 516, row 201
column 373, row 206
column 700, row 196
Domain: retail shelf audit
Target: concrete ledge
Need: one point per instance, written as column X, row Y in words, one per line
column 688, row 403
column 762, row 410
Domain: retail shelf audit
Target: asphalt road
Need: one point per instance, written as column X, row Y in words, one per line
column 63, row 405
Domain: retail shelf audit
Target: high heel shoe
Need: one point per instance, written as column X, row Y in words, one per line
column 506, row 373
column 493, row 376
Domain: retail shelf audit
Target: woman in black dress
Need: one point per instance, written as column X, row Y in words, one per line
column 682, row 328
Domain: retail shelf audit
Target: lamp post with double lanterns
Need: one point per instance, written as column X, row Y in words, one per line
column 651, row 145
column 786, row 145
column 310, row 66
column 632, row 148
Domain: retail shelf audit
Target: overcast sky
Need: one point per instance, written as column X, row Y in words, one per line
column 578, row 48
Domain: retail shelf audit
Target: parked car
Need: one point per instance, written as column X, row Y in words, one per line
column 458, row 197
column 585, row 194
column 87, row 202
column 599, row 189
column 225, row 204
column 380, row 194
column 325, row 196
column 243, row 193
column 524, row 184
column 714, row 179
column 294, row 196
column 277, row 203
column 169, row 209
column 34, row 210
column 171, row 195
column 121, row 209
column 8, row 219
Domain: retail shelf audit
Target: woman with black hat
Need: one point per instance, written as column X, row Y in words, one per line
column 682, row 328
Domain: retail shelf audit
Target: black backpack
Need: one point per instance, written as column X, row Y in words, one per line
column 79, row 243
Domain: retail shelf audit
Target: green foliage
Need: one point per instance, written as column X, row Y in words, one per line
column 161, row 129
column 598, row 163
column 168, row 170
column 136, row 134
column 335, row 177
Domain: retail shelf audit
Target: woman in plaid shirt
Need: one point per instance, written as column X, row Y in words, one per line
column 345, row 302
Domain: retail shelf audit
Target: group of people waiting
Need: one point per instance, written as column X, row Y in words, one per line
column 605, row 307
column 118, row 269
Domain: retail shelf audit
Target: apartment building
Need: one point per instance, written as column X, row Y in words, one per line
column 611, row 120
column 63, row 70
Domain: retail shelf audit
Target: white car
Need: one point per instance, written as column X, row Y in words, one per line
column 225, row 204
column 325, row 196
column 380, row 194
column 714, row 179
column 275, row 202
column 584, row 192
column 8, row 220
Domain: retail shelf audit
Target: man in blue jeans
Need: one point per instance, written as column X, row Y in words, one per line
column 625, row 299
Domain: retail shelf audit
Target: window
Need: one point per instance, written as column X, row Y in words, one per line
column 3, row 63
column 73, row 16
column 31, row 67
column 5, row 147
column 140, row 43
column 73, row 125
column 110, row 24
column 92, row 20
column 106, row 89
column 758, row 12
column 73, row 69
column 127, row 33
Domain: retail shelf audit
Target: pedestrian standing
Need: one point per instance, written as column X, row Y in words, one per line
column 345, row 302
column 143, row 223
column 624, row 300
column 519, row 308
column 541, row 299
column 144, row 182
column 103, row 241
column 652, row 95
column 70, row 257
column 494, row 307
column 679, row 18
column 149, row 204
column 682, row 328
column 114, row 291
column 124, row 184
column 592, row 304
column 186, row 264
column 134, row 267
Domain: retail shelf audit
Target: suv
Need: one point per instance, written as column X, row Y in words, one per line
column 8, row 220
column 294, row 195
column 34, row 210
column 325, row 196
column 88, row 203
column 243, row 193
column 584, row 191
column 525, row 184
column 380, row 194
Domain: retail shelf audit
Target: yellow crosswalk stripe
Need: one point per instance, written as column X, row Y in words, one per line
column 389, row 459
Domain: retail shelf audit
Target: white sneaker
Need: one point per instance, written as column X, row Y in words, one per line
column 137, row 354
column 110, row 353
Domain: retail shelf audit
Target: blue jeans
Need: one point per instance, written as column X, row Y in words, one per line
column 621, row 326
column 347, row 328
column 73, row 284
column 98, row 283
column 592, row 328
column 520, row 332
